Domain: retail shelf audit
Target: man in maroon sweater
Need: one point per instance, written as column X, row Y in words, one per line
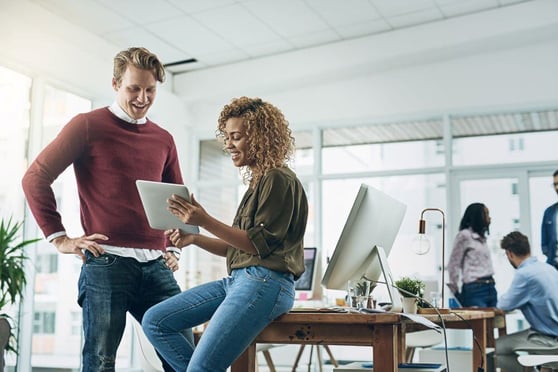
column 126, row 263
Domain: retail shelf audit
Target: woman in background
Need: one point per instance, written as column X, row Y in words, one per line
column 263, row 247
column 471, row 262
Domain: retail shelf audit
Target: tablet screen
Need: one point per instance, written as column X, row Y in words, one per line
column 154, row 197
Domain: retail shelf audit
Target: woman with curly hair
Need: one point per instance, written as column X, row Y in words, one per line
column 263, row 247
column 470, row 259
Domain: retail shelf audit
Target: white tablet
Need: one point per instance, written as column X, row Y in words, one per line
column 154, row 197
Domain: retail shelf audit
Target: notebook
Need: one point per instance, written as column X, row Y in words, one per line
column 154, row 197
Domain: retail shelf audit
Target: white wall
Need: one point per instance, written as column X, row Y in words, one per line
column 37, row 43
column 40, row 45
column 502, row 58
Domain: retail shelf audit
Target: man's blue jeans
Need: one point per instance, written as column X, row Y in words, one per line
column 238, row 308
column 109, row 286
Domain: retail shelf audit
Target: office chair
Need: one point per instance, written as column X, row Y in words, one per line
column 540, row 362
column 425, row 338
column 149, row 360
column 5, row 329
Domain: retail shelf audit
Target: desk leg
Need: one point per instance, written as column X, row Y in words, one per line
column 246, row 362
column 384, row 346
column 402, row 344
column 480, row 334
column 490, row 326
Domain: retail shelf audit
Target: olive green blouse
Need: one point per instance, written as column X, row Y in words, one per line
column 274, row 214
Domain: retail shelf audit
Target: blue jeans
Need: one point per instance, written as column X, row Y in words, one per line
column 479, row 294
column 109, row 286
column 239, row 306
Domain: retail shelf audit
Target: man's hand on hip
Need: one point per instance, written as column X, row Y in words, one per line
column 78, row 246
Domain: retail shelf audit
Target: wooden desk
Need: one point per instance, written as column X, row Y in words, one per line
column 498, row 322
column 384, row 331
column 481, row 322
column 380, row 330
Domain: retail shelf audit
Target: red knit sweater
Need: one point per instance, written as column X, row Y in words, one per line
column 108, row 155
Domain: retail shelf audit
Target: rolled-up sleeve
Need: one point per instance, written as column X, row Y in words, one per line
column 274, row 214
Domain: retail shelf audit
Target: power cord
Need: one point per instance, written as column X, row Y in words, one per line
column 477, row 343
column 442, row 324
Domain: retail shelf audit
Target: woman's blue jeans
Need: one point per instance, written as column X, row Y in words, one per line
column 110, row 286
column 238, row 308
column 479, row 294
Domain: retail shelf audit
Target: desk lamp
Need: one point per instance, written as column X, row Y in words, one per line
column 421, row 243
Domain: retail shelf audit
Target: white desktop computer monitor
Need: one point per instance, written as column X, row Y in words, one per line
column 304, row 286
column 365, row 241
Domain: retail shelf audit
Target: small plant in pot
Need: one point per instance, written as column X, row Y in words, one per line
column 411, row 289
column 12, row 272
column 360, row 293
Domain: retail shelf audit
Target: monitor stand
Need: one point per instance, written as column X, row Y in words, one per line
column 376, row 268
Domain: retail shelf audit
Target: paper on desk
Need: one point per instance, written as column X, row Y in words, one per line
column 422, row 320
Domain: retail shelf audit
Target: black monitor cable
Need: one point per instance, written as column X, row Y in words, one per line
column 440, row 317
column 477, row 343
column 443, row 326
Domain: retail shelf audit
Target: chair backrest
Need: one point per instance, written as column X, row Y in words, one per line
column 5, row 329
column 149, row 360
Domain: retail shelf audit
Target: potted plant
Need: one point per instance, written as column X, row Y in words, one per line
column 360, row 293
column 12, row 274
column 411, row 289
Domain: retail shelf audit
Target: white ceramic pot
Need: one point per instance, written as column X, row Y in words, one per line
column 409, row 305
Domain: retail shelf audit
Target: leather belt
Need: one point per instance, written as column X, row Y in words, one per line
column 485, row 280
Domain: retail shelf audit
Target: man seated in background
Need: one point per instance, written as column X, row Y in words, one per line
column 533, row 291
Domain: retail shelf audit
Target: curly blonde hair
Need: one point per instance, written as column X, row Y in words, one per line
column 270, row 140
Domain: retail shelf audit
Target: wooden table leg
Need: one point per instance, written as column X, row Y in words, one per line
column 385, row 345
column 479, row 327
column 402, row 344
column 298, row 355
column 246, row 362
column 331, row 357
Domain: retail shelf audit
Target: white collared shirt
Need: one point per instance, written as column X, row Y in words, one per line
column 117, row 110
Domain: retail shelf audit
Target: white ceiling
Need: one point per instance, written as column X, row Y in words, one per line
column 218, row 32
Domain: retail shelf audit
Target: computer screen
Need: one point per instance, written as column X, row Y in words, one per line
column 374, row 220
column 304, row 285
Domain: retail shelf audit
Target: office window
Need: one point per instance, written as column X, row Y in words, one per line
column 14, row 127
column 377, row 147
column 15, row 90
column 514, row 189
column 528, row 147
column 505, row 137
column 221, row 202
column 44, row 322
column 303, row 163
column 75, row 323
column 47, row 263
column 215, row 163
column 55, row 284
